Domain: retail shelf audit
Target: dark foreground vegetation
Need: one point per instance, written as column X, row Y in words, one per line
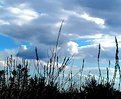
column 17, row 83
column 50, row 82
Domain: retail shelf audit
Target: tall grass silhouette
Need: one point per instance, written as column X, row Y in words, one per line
column 50, row 80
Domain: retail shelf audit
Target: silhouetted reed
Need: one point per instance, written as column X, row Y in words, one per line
column 51, row 80
column 100, row 76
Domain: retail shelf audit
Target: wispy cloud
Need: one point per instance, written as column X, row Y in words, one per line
column 3, row 22
column 98, row 21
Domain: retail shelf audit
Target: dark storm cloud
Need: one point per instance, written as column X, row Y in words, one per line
column 107, row 9
column 104, row 5
column 29, row 53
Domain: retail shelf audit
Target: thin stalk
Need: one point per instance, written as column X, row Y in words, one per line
column 37, row 59
column 57, row 42
column 100, row 76
column 116, row 62
column 107, row 75
column 81, row 71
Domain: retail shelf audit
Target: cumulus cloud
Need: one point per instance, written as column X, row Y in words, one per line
column 72, row 47
column 23, row 48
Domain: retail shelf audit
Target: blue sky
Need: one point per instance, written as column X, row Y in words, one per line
column 25, row 24
column 7, row 42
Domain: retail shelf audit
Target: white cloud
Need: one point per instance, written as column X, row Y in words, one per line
column 72, row 47
column 23, row 48
column 3, row 22
column 23, row 14
column 7, row 52
column 94, row 36
column 69, row 13
column 96, row 20
column 107, row 41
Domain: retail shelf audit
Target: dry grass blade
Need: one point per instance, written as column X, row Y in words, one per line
column 37, row 62
column 107, row 75
column 81, row 72
column 116, row 56
column 59, row 34
column 37, row 58
column 116, row 62
column 100, row 76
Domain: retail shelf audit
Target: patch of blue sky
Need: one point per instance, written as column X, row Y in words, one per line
column 83, row 41
column 25, row 43
column 2, row 4
column 7, row 42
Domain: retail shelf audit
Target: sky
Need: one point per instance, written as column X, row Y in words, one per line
column 26, row 24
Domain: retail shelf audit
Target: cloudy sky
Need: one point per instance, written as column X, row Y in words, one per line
column 25, row 24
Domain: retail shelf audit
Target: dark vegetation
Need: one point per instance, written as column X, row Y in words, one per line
column 50, row 82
